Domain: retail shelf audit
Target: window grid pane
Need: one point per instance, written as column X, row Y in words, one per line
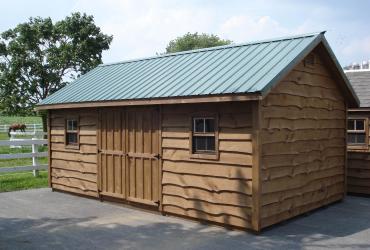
column 71, row 125
column 356, row 138
column 351, row 138
column 351, row 124
column 72, row 138
column 360, row 125
column 198, row 125
column 203, row 143
column 209, row 125
column 210, row 143
column 360, row 138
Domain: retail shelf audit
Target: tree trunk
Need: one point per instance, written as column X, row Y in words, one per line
column 44, row 116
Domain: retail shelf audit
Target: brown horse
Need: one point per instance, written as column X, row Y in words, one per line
column 17, row 126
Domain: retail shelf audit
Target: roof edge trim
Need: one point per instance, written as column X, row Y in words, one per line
column 155, row 101
column 356, row 101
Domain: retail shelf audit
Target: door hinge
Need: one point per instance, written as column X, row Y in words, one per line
column 157, row 202
column 158, row 156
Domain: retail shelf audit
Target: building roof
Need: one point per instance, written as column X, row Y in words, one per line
column 250, row 68
column 360, row 81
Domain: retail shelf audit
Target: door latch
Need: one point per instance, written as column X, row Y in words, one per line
column 158, row 156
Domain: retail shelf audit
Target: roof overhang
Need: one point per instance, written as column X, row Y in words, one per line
column 156, row 101
column 361, row 109
column 350, row 94
column 319, row 43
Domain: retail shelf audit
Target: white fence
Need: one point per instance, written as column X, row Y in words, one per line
column 34, row 155
column 30, row 127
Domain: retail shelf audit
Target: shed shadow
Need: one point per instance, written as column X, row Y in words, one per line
column 331, row 228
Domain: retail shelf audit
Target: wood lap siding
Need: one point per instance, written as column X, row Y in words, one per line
column 358, row 169
column 74, row 170
column 358, row 173
column 303, row 144
column 214, row 190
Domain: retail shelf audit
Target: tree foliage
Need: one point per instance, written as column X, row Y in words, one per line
column 39, row 57
column 191, row 41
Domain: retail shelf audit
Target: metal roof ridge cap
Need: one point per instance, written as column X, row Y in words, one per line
column 217, row 48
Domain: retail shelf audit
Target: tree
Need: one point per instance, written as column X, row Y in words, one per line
column 191, row 41
column 39, row 57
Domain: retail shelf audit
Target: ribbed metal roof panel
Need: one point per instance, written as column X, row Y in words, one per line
column 360, row 80
column 242, row 68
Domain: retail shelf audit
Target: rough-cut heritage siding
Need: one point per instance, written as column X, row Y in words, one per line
column 358, row 172
column 358, row 168
column 303, row 144
column 214, row 190
column 74, row 170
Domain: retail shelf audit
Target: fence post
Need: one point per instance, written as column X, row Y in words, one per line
column 34, row 158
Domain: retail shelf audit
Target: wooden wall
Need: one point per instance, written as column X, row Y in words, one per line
column 74, row 170
column 302, row 133
column 215, row 190
column 358, row 173
column 303, row 144
column 358, row 170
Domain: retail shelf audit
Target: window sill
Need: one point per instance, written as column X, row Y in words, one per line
column 357, row 147
column 204, row 156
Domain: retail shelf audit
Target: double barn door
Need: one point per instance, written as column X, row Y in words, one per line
column 128, row 154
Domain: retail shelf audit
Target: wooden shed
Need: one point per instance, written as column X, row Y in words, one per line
column 358, row 176
column 244, row 135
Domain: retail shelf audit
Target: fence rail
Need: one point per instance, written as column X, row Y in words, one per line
column 34, row 155
column 29, row 127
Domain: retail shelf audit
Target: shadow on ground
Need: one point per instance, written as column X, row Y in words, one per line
column 343, row 225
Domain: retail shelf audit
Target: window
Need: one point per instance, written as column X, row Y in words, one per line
column 357, row 134
column 204, row 135
column 72, row 132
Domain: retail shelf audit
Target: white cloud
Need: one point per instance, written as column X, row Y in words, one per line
column 143, row 28
column 244, row 28
column 358, row 48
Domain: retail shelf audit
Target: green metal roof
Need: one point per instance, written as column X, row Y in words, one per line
column 234, row 69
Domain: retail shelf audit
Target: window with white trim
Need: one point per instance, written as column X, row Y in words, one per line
column 204, row 135
column 356, row 132
column 72, row 132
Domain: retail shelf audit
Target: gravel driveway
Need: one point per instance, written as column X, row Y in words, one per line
column 41, row 219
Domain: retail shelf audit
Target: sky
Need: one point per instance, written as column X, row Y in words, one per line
column 143, row 28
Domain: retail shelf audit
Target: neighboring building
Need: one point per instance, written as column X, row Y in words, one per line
column 244, row 135
column 358, row 134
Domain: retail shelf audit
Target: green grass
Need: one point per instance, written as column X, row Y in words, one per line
column 20, row 119
column 20, row 180
column 4, row 136
column 23, row 180
column 20, row 162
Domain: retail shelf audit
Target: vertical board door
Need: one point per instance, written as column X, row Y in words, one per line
column 111, row 153
column 142, row 144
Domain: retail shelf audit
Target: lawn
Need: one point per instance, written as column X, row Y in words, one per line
column 20, row 180
column 4, row 136
column 20, row 119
